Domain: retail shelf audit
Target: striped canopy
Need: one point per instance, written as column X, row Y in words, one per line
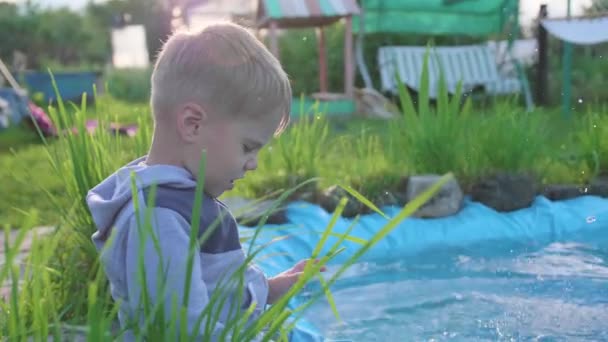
column 304, row 13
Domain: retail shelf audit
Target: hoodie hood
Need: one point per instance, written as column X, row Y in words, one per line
column 112, row 210
column 106, row 200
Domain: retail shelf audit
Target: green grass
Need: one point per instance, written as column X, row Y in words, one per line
column 25, row 176
column 26, row 172
column 17, row 137
column 372, row 155
column 64, row 288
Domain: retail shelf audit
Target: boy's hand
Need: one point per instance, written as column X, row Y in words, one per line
column 281, row 283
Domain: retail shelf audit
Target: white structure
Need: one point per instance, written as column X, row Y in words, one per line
column 218, row 10
column 129, row 48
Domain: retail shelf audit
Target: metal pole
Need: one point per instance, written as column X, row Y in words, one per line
column 567, row 65
column 367, row 80
column 4, row 71
column 349, row 73
column 542, row 73
column 322, row 60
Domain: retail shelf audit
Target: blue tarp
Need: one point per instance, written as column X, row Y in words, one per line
column 17, row 103
column 543, row 222
column 71, row 85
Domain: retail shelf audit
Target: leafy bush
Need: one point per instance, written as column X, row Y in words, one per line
column 131, row 85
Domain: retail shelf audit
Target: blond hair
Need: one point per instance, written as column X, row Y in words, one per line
column 225, row 69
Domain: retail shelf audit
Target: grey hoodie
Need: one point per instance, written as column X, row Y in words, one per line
column 112, row 208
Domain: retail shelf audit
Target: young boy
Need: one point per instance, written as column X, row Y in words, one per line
column 217, row 90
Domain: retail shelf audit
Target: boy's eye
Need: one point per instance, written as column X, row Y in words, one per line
column 247, row 149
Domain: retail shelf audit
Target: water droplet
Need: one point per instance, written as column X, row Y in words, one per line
column 580, row 100
column 583, row 172
column 304, row 38
column 591, row 219
column 594, row 126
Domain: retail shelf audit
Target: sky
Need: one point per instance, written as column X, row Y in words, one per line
column 529, row 8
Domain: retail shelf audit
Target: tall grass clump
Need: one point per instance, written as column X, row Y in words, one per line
column 81, row 159
column 449, row 137
column 592, row 139
column 434, row 139
column 302, row 149
column 361, row 162
column 509, row 139
column 131, row 85
column 297, row 155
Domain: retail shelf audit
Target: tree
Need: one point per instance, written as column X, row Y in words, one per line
column 58, row 37
column 154, row 15
column 15, row 31
column 597, row 7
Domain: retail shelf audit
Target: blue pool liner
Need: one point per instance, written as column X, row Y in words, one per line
column 545, row 221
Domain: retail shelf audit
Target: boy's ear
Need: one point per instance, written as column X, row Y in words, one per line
column 190, row 121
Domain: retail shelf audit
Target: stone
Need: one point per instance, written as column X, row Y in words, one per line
column 599, row 186
column 304, row 196
column 372, row 104
column 385, row 198
column 305, row 192
column 560, row 192
column 505, row 191
column 448, row 201
column 330, row 198
column 249, row 213
column 400, row 192
column 557, row 192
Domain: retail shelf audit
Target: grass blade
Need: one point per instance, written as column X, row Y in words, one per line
column 423, row 95
column 362, row 199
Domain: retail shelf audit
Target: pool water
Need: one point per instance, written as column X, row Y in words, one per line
column 555, row 292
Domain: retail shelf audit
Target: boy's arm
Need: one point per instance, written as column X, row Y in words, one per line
column 171, row 246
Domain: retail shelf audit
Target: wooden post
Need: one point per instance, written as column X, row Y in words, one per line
column 274, row 43
column 542, row 73
column 322, row 60
column 349, row 79
column 567, row 74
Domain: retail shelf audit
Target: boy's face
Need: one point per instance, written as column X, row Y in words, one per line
column 232, row 147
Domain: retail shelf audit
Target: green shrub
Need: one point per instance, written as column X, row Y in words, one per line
column 131, row 85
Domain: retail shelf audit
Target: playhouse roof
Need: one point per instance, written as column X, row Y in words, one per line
column 304, row 13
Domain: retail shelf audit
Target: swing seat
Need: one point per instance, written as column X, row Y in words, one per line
column 474, row 65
